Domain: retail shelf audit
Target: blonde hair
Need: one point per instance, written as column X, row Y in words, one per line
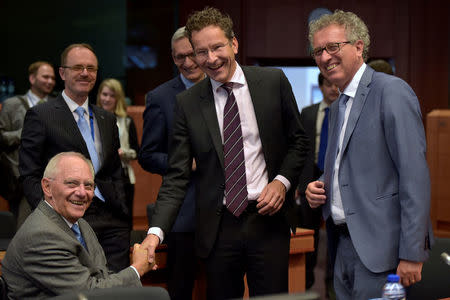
column 355, row 28
column 116, row 87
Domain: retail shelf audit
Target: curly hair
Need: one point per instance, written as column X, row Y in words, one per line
column 207, row 17
column 355, row 28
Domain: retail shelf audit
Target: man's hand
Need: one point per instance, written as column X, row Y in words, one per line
column 194, row 165
column 150, row 243
column 272, row 198
column 410, row 272
column 315, row 194
column 139, row 260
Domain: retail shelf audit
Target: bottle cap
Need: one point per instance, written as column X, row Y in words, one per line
column 393, row 278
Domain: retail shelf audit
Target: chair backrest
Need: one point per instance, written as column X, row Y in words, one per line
column 7, row 228
column 3, row 289
column 118, row 293
column 435, row 283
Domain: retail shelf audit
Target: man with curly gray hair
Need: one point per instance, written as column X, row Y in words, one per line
column 375, row 190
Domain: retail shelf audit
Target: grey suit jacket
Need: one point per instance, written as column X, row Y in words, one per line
column 196, row 134
column 383, row 174
column 45, row 259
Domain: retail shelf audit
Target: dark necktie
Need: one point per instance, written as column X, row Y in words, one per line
column 323, row 141
column 233, row 148
column 86, row 133
column 76, row 229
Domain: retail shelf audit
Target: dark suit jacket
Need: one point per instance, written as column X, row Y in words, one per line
column 49, row 129
column 158, row 119
column 45, row 259
column 196, row 134
column 308, row 118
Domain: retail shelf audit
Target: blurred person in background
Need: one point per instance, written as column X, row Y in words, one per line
column 42, row 81
column 111, row 97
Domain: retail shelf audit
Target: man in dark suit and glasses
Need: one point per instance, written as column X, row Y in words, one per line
column 70, row 123
column 244, row 188
column 158, row 119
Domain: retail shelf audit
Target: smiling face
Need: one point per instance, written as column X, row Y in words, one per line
column 215, row 54
column 43, row 82
column 108, row 99
column 78, row 84
column 183, row 57
column 340, row 67
column 71, row 190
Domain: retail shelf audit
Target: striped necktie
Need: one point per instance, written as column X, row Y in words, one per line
column 236, row 194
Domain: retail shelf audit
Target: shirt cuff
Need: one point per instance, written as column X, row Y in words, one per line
column 158, row 232
column 284, row 181
column 137, row 273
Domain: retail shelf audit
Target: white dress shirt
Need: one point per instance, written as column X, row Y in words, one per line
column 337, row 208
column 319, row 121
column 73, row 106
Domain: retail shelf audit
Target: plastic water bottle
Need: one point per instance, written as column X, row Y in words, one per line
column 393, row 289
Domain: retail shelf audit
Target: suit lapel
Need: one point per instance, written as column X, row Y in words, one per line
column 102, row 128
column 258, row 96
column 67, row 121
column 209, row 113
column 358, row 104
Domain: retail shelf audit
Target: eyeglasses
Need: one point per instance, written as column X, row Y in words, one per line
column 331, row 48
column 180, row 58
column 202, row 54
column 80, row 68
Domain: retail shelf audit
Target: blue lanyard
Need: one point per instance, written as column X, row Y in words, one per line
column 91, row 122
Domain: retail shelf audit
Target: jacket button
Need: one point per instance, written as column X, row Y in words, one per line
column 219, row 211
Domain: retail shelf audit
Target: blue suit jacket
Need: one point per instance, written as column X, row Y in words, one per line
column 158, row 119
column 383, row 174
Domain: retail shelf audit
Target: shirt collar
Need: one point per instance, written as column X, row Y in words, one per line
column 34, row 98
column 350, row 90
column 237, row 78
column 323, row 105
column 73, row 105
column 187, row 83
column 65, row 220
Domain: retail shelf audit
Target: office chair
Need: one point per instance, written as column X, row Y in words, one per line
column 7, row 228
column 435, row 283
column 3, row 289
column 118, row 293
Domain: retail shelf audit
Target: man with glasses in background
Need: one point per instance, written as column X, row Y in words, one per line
column 242, row 127
column 158, row 119
column 375, row 190
column 70, row 123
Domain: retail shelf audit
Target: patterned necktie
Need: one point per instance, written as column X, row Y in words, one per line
column 86, row 133
column 323, row 141
column 233, row 148
column 76, row 229
column 334, row 140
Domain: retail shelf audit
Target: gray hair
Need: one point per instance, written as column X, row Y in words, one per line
column 52, row 166
column 178, row 35
column 355, row 28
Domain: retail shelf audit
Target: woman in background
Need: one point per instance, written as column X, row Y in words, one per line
column 111, row 97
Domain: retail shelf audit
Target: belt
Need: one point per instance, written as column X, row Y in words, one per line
column 342, row 229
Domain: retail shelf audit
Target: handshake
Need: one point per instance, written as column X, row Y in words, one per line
column 140, row 261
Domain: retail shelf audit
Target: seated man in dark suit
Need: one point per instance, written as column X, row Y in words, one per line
column 56, row 251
